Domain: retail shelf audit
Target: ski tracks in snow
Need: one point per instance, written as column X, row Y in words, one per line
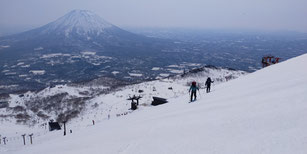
column 126, row 148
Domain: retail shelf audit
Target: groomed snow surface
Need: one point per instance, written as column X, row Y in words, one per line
column 263, row 112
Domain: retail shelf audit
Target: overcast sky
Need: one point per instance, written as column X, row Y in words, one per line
column 217, row 14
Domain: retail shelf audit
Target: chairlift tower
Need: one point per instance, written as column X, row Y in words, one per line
column 133, row 103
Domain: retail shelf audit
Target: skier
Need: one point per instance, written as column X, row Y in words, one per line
column 263, row 62
column 193, row 88
column 208, row 84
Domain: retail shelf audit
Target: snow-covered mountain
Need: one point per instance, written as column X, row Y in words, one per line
column 82, row 22
column 76, row 31
column 262, row 112
column 79, row 46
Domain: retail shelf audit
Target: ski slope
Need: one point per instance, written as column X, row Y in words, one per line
column 263, row 112
column 53, row 101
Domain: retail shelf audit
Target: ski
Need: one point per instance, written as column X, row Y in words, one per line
column 192, row 101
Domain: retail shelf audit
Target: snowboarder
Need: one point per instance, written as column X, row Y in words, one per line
column 193, row 88
column 208, row 84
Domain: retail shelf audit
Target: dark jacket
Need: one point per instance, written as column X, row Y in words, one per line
column 208, row 82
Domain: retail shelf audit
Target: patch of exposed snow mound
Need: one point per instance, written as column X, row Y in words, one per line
column 38, row 72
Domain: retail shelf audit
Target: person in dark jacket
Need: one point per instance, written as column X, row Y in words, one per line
column 208, row 84
column 193, row 88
